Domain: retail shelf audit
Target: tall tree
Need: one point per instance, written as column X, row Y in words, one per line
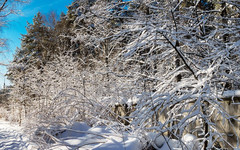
column 36, row 44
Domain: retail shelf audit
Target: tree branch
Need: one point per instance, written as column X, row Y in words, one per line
column 181, row 55
column 3, row 5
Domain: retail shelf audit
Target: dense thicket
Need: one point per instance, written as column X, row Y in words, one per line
column 177, row 58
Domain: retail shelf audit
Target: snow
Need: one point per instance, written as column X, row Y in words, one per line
column 190, row 141
column 164, row 143
column 12, row 137
column 83, row 137
column 231, row 93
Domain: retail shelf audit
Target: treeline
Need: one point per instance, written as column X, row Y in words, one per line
column 177, row 56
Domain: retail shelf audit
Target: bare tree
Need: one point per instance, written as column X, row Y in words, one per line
column 7, row 7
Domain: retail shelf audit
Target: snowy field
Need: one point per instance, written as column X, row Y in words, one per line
column 12, row 137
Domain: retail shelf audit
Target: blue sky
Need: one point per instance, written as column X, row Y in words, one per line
column 17, row 23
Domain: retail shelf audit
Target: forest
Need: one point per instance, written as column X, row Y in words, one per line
column 152, row 70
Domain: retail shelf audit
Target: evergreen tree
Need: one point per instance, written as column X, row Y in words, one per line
column 37, row 44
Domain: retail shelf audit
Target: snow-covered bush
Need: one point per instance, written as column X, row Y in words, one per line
column 185, row 55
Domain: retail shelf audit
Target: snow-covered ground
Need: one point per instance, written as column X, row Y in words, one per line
column 80, row 136
column 12, row 137
column 83, row 137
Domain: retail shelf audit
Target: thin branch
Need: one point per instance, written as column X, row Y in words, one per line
column 2, row 64
column 3, row 5
column 181, row 55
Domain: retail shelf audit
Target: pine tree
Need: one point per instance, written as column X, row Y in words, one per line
column 36, row 45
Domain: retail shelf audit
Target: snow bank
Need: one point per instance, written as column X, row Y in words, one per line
column 188, row 141
column 81, row 136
